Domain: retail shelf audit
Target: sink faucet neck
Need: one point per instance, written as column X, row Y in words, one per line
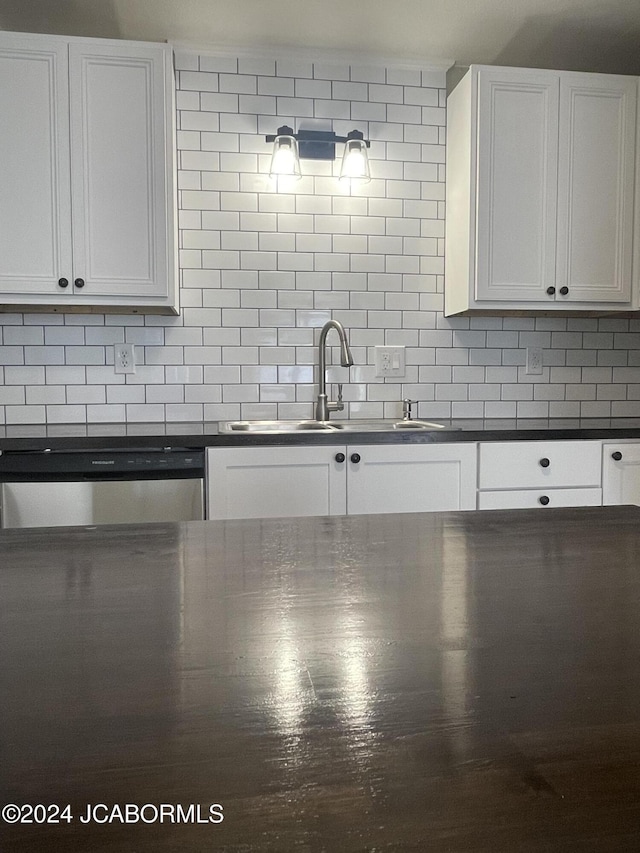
column 323, row 405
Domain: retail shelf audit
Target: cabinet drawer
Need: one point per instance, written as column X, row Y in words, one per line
column 530, row 498
column 539, row 464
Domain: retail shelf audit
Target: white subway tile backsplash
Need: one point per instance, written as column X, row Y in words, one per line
column 198, row 81
column 17, row 414
column 21, row 335
column 258, row 298
column 262, row 270
column 343, row 91
column 85, row 394
column 422, row 95
column 145, row 413
column 24, row 376
column 122, row 394
column 195, row 120
column 239, row 83
column 532, row 410
column 165, row 394
column 66, row 414
column 189, row 101
column 220, row 103
column 65, row 375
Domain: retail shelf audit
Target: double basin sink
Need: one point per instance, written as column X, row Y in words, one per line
column 327, row 426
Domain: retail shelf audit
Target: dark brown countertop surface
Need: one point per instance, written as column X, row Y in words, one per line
column 208, row 434
column 439, row 682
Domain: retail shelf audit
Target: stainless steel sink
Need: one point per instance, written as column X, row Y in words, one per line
column 274, row 426
column 385, row 426
column 329, row 426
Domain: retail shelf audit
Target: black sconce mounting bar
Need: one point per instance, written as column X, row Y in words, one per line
column 317, row 144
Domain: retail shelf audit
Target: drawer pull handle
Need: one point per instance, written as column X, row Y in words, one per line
column 564, row 291
column 551, row 290
column 63, row 282
column 79, row 282
column 616, row 455
column 355, row 458
column 340, row 457
column 543, row 499
column 544, row 462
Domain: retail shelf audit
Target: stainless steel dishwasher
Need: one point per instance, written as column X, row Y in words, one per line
column 52, row 488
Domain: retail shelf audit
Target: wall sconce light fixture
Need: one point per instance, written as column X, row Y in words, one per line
column 289, row 148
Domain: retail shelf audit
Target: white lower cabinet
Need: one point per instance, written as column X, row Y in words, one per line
column 270, row 482
column 417, row 478
column 520, row 474
column 620, row 473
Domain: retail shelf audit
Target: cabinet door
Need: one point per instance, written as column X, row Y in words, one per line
column 620, row 474
column 273, row 482
column 121, row 169
column 415, row 478
column 517, row 184
column 596, row 186
column 35, row 208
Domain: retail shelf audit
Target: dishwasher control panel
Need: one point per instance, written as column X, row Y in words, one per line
column 131, row 464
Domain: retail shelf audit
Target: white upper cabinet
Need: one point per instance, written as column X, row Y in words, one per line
column 86, row 174
column 35, row 180
column 540, row 191
column 517, row 184
column 596, row 187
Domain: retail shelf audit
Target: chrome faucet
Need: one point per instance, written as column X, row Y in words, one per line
column 323, row 405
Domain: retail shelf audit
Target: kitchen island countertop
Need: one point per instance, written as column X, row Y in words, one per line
column 443, row 682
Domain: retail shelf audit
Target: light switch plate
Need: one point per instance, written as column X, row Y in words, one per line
column 390, row 361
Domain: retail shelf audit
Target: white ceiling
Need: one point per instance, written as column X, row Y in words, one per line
column 568, row 34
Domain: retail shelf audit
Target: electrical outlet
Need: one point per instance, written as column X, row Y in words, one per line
column 534, row 360
column 124, row 358
column 390, row 361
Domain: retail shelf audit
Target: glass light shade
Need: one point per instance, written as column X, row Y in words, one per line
column 285, row 161
column 355, row 162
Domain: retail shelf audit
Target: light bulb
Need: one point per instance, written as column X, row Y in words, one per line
column 355, row 162
column 285, row 160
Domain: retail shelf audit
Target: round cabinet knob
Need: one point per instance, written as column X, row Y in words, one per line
column 544, row 462
column 564, row 291
column 355, row 458
column 79, row 282
column 63, row 282
column 551, row 291
column 340, row 457
column 616, row 455
column 543, row 499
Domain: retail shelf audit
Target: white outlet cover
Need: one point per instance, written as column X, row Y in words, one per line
column 390, row 361
column 124, row 358
column 534, row 361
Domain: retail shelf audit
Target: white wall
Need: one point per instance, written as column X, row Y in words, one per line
column 262, row 270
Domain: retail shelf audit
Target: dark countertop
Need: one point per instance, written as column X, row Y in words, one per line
column 440, row 682
column 96, row 436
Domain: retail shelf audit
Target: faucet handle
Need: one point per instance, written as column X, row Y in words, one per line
column 406, row 408
column 339, row 392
